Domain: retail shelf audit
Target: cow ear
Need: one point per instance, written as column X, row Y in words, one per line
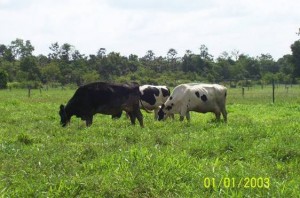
column 62, row 107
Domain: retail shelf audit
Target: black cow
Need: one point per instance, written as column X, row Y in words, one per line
column 104, row 98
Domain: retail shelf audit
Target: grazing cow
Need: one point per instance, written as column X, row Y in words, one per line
column 201, row 98
column 152, row 97
column 104, row 98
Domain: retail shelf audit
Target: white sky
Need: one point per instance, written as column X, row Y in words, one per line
column 252, row 27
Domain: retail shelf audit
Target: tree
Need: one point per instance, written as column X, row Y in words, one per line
column 286, row 65
column 267, row 64
column 133, row 63
column 187, row 65
column 65, row 52
column 6, row 53
column 28, row 49
column 28, row 65
column 149, row 55
column 21, row 50
column 204, row 53
column 113, row 65
column 148, row 61
column 225, row 63
column 171, row 54
column 238, row 70
column 235, row 53
column 90, row 77
column 50, row 73
column 101, row 52
column 250, row 66
column 295, row 47
column 2, row 50
column 76, row 55
column 55, row 51
column 3, row 79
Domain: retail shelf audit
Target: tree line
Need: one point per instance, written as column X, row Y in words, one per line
column 66, row 65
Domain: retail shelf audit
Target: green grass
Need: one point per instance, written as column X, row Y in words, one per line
column 38, row 158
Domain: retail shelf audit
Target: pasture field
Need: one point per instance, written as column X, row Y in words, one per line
column 255, row 154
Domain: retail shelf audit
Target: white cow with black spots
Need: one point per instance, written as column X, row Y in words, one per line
column 197, row 97
column 152, row 97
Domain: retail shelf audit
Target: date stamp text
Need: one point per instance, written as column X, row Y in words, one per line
column 232, row 182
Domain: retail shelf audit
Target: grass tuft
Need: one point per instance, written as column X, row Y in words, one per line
column 25, row 139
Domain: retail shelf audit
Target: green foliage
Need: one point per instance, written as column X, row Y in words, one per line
column 14, row 85
column 89, row 77
column 19, row 49
column 295, row 47
column 50, row 72
column 25, row 85
column 66, row 65
column 3, row 79
column 29, row 68
column 111, row 158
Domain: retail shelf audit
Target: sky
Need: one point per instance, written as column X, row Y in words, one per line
column 251, row 27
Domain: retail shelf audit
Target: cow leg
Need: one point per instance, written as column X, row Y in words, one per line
column 156, row 114
column 224, row 113
column 172, row 116
column 132, row 117
column 89, row 121
column 188, row 116
column 139, row 116
column 183, row 112
column 116, row 116
column 218, row 115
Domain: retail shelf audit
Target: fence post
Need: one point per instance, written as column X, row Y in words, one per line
column 273, row 88
column 29, row 89
column 243, row 91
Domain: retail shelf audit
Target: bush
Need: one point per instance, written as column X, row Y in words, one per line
column 15, row 85
column 54, row 84
column 3, row 79
column 245, row 83
column 25, row 85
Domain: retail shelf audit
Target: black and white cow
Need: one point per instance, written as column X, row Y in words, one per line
column 152, row 97
column 104, row 98
column 197, row 97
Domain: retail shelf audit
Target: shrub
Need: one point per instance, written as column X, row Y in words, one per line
column 3, row 79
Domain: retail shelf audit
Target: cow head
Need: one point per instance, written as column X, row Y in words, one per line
column 164, row 111
column 161, row 113
column 64, row 119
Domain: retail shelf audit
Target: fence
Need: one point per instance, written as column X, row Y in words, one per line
column 274, row 93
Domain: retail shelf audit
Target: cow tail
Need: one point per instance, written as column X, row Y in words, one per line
column 140, row 99
column 144, row 106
